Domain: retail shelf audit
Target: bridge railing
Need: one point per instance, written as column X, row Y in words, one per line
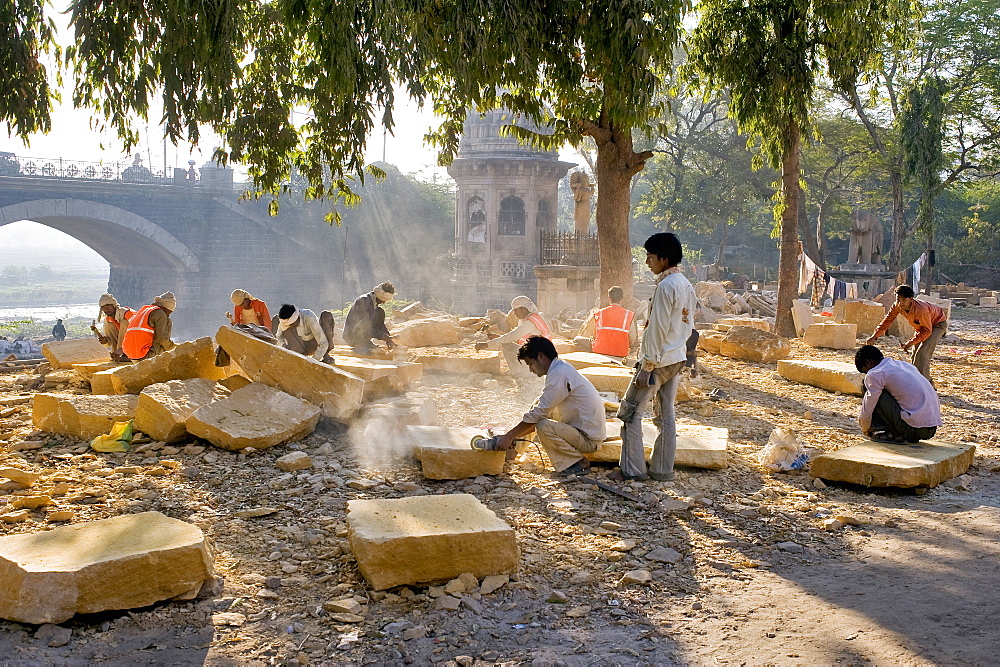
column 124, row 171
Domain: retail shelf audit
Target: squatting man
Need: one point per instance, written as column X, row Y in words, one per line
column 568, row 418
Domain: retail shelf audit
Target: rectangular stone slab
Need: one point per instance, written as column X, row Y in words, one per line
column 831, row 335
column 190, row 359
column 124, row 562
column 581, row 360
column 65, row 353
column 163, row 407
column 444, row 453
column 697, row 446
column 424, row 540
column 926, row 464
column 87, row 370
column 484, row 361
column 335, row 391
column 606, row 378
column 381, row 377
column 80, row 416
column 802, row 316
column 830, row 375
column 867, row 315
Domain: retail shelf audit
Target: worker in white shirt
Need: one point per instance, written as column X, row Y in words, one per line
column 300, row 330
column 662, row 354
column 531, row 323
column 568, row 417
column 899, row 403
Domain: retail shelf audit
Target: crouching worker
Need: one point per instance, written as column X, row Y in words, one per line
column 301, row 331
column 568, row 418
column 899, row 403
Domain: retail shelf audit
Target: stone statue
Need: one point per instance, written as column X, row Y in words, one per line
column 579, row 183
column 866, row 238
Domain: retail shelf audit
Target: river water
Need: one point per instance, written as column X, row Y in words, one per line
column 49, row 313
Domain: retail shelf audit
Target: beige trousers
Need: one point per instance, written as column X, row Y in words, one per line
column 564, row 444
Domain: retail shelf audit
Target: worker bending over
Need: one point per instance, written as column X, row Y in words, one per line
column 300, row 330
column 899, row 404
column 929, row 324
column 610, row 330
column 366, row 321
column 530, row 323
column 115, row 321
column 568, row 418
column 248, row 310
column 148, row 332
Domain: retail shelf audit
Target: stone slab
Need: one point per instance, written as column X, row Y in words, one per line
column 581, row 360
column 426, row 332
column 710, row 341
column 63, row 354
column 381, row 377
column 424, row 540
column 608, row 378
column 80, row 416
column 802, row 316
column 876, row 464
column 698, row 446
column 335, row 391
column 256, row 416
column 86, row 371
column 830, row 375
column 867, row 315
column 831, row 335
column 124, row 562
column 987, row 302
column 190, row 359
column 754, row 345
column 730, row 321
column 444, row 453
column 484, row 361
column 163, row 408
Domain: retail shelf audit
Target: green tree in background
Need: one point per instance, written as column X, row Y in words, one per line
column 768, row 55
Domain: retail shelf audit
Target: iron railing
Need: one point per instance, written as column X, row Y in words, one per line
column 569, row 249
column 123, row 171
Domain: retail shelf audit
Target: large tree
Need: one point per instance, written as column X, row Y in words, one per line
column 578, row 68
column 769, row 54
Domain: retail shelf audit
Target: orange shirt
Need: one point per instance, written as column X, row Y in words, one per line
column 258, row 307
column 922, row 316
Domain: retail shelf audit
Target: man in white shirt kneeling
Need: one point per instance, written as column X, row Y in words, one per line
column 899, row 404
column 568, row 417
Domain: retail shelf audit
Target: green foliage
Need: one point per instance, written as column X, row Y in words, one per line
column 26, row 97
column 921, row 131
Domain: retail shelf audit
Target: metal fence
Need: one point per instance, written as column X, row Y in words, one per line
column 569, row 249
column 124, row 171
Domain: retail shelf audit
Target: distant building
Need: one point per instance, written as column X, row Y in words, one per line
column 506, row 195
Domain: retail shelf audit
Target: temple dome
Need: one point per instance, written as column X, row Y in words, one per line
column 481, row 137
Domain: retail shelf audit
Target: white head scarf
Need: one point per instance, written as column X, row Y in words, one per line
column 292, row 319
column 523, row 302
column 166, row 300
column 107, row 299
column 238, row 296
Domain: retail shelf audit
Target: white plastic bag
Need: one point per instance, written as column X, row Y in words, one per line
column 783, row 451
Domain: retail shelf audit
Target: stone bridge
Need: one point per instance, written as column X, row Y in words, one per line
column 193, row 238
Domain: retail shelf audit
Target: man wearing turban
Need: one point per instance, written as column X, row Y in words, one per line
column 248, row 310
column 148, row 332
column 366, row 321
column 115, row 320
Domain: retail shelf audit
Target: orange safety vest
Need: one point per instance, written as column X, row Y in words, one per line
column 129, row 313
column 611, row 326
column 540, row 323
column 139, row 335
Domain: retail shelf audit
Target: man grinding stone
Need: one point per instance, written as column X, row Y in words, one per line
column 568, row 417
column 899, row 403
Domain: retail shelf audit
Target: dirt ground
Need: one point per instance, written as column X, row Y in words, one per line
column 914, row 583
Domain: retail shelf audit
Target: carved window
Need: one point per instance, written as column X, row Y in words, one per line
column 511, row 219
column 543, row 218
column 513, row 270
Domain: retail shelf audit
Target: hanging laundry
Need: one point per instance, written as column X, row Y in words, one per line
column 839, row 290
column 807, row 269
column 852, row 291
column 917, row 266
column 818, row 288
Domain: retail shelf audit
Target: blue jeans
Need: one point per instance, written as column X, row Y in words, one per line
column 664, row 387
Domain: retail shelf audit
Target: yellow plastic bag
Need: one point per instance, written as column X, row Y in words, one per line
column 118, row 440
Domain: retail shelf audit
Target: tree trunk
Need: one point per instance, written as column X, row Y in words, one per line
column 616, row 164
column 898, row 220
column 788, row 262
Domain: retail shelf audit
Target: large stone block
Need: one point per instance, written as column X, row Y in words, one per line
column 581, row 360
column 87, row 370
column 79, row 416
column 927, row 464
column 124, row 562
column 755, row 322
column 698, row 446
column 427, row 332
column 607, row 378
column 163, row 408
column 987, row 302
column 754, row 345
column 830, row 375
column 464, row 362
column 381, row 377
column 256, row 416
column 831, row 335
column 711, row 294
column 444, row 453
column 191, row 359
column 866, row 314
column 337, row 392
column 62, row 354
column 802, row 316
column 428, row 539
column 710, row 341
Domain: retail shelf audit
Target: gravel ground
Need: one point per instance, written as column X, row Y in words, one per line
column 738, row 564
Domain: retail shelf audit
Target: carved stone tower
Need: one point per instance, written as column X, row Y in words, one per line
column 506, row 195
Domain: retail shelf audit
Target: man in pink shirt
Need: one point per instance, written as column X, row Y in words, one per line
column 899, row 403
column 929, row 324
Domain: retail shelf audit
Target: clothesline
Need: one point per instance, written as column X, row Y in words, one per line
column 819, row 283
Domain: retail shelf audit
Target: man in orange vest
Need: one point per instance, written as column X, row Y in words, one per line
column 610, row 330
column 116, row 319
column 248, row 310
column 148, row 332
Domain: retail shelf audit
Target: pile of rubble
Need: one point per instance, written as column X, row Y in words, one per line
column 716, row 301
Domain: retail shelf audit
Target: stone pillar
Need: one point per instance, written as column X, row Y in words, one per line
column 560, row 286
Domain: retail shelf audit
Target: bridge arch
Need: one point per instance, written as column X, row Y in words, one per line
column 123, row 238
